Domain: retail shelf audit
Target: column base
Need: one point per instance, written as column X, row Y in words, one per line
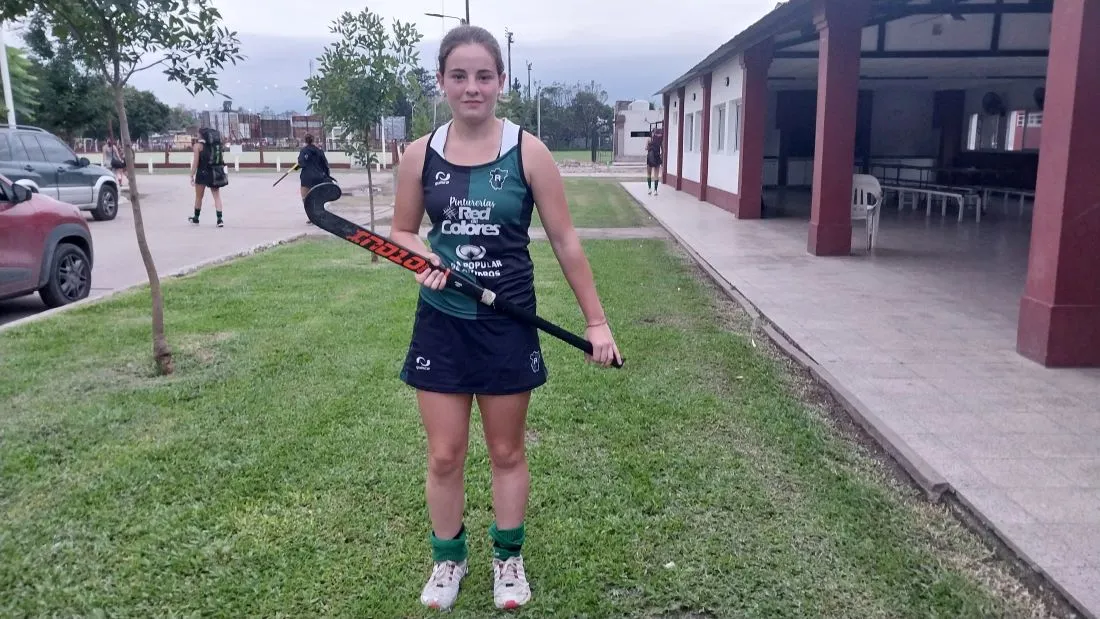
column 830, row 239
column 1059, row 335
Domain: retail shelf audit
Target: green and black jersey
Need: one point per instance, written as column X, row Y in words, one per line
column 480, row 218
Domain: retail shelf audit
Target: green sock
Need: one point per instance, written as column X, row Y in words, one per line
column 649, row 183
column 507, row 542
column 450, row 549
column 197, row 211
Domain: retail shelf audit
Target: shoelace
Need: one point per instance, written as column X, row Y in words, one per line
column 443, row 573
column 510, row 570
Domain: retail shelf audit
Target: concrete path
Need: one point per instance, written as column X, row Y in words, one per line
column 933, row 374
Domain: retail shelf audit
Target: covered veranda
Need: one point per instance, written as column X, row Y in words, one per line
column 975, row 119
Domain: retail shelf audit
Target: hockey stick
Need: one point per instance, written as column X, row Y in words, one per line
column 330, row 192
column 292, row 168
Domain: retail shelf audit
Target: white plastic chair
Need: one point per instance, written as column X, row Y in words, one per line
column 866, row 204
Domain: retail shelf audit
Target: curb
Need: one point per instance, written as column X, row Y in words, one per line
column 182, row 272
column 931, row 482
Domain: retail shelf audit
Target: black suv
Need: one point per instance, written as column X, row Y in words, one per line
column 37, row 159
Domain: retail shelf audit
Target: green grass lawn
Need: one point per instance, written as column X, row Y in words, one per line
column 583, row 156
column 593, row 203
column 601, row 203
column 280, row 470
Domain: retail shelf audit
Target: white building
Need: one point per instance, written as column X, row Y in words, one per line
column 634, row 123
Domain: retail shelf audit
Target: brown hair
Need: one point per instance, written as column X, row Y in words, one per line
column 462, row 35
column 309, row 138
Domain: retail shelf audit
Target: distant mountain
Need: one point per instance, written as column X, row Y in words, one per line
column 275, row 69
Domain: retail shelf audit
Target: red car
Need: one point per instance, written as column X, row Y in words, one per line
column 45, row 246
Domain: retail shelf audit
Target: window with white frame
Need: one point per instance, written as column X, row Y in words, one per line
column 698, row 130
column 735, row 125
column 718, row 128
column 689, row 132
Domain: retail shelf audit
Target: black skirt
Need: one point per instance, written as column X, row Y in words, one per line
column 494, row 355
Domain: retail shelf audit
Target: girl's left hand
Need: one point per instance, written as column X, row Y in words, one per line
column 604, row 350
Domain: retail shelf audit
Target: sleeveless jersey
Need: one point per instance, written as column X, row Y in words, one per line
column 480, row 218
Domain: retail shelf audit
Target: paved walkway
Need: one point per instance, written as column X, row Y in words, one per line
column 928, row 358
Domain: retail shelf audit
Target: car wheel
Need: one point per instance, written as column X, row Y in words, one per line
column 107, row 206
column 70, row 277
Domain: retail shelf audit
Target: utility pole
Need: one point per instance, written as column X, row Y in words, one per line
column 528, row 79
column 508, row 34
column 467, row 11
column 8, row 99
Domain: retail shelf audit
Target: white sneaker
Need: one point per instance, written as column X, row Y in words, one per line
column 442, row 588
column 510, row 587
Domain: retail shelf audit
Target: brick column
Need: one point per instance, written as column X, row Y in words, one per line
column 1060, row 309
column 838, row 23
column 754, row 119
column 664, row 142
column 704, row 158
column 680, row 141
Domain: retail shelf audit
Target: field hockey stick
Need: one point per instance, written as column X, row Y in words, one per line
column 323, row 193
column 292, row 168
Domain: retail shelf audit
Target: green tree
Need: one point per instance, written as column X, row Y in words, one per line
column 147, row 114
column 360, row 77
column 72, row 103
column 117, row 38
column 24, row 86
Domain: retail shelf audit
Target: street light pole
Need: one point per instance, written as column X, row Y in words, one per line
column 467, row 11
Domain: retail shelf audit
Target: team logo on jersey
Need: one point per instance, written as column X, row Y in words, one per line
column 442, row 178
column 473, row 217
column 470, row 252
column 535, row 362
column 497, row 177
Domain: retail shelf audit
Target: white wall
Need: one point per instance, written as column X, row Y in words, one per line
column 637, row 118
column 725, row 153
column 693, row 151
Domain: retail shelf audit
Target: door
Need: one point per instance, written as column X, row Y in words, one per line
column 73, row 185
column 15, row 163
column 37, row 164
column 19, row 245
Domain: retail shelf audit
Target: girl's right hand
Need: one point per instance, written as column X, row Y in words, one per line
column 432, row 278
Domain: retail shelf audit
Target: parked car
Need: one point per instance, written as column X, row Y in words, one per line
column 45, row 246
column 36, row 158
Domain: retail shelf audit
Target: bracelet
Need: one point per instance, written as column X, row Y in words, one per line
column 598, row 324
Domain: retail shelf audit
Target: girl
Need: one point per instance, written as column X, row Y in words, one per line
column 208, row 170
column 653, row 163
column 314, row 167
column 478, row 178
column 112, row 156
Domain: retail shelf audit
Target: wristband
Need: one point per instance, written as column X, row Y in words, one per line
column 598, row 324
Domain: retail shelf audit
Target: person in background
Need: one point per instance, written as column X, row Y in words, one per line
column 112, row 158
column 314, row 167
column 208, row 170
column 653, row 163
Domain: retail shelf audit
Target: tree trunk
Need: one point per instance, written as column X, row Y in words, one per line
column 162, row 354
column 370, row 195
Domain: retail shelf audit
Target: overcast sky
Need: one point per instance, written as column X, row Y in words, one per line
column 630, row 47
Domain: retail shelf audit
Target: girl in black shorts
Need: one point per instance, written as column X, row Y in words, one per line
column 653, row 163
column 478, row 178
